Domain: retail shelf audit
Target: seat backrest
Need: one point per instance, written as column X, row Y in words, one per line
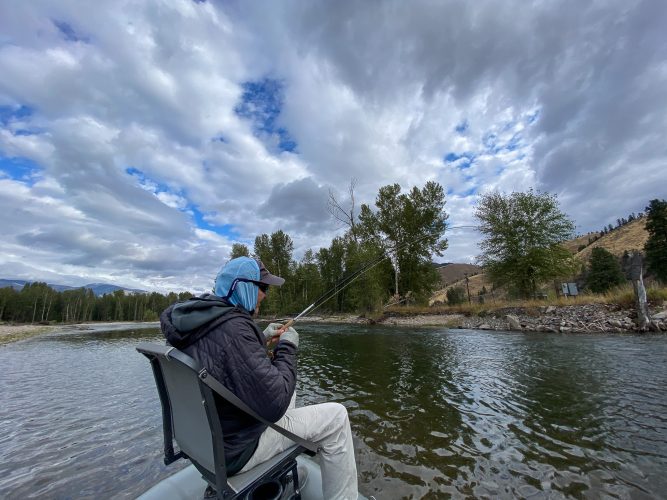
column 178, row 373
column 190, row 416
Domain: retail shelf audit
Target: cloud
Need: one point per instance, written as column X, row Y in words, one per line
column 138, row 141
column 300, row 205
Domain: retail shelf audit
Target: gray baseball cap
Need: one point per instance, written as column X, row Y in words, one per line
column 266, row 277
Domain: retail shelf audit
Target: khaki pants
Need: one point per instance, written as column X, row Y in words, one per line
column 327, row 425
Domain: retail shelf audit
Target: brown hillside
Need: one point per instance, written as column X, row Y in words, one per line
column 574, row 244
column 475, row 283
column 451, row 273
column 631, row 236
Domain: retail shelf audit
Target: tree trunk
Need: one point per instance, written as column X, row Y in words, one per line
column 34, row 311
column 643, row 316
column 48, row 309
column 46, row 294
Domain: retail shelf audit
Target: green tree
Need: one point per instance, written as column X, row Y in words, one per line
column 605, row 271
column 275, row 252
column 239, row 250
column 331, row 264
column 371, row 289
column 521, row 236
column 408, row 228
column 456, row 295
column 307, row 281
column 656, row 245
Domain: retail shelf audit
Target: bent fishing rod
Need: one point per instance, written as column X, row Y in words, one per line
column 348, row 280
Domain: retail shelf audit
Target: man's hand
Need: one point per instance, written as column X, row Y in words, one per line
column 275, row 332
column 272, row 333
column 290, row 335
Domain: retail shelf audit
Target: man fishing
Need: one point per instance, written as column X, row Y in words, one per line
column 219, row 332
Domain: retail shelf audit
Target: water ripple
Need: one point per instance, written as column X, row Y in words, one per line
column 435, row 413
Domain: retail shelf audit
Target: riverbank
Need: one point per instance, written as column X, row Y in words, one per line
column 12, row 333
column 576, row 318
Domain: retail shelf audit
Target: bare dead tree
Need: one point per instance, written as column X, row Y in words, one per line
column 344, row 216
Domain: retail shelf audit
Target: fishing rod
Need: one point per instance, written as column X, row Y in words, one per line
column 348, row 280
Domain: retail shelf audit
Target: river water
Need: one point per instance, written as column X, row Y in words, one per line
column 435, row 412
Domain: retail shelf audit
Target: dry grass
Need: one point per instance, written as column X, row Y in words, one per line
column 631, row 236
column 574, row 244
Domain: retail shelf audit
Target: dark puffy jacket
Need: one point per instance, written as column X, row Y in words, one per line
column 226, row 341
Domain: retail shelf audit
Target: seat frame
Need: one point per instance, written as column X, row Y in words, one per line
column 240, row 485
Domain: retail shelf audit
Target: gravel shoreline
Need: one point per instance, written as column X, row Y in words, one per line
column 580, row 318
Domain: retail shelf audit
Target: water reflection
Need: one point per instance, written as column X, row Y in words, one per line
column 434, row 412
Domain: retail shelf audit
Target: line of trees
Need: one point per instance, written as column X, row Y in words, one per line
column 39, row 303
column 400, row 232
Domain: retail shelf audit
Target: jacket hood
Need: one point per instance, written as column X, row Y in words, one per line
column 182, row 322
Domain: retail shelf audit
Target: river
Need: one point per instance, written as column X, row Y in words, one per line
column 434, row 412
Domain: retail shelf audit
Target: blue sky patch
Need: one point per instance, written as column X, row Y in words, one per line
column 20, row 169
column 261, row 103
column 145, row 181
column 532, row 118
column 11, row 113
column 68, row 32
column 462, row 127
column 467, row 159
column 227, row 230
column 198, row 217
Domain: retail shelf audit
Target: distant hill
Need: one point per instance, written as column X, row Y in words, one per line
column 630, row 236
column 450, row 273
column 98, row 289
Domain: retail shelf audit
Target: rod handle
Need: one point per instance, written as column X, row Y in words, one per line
column 284, row 328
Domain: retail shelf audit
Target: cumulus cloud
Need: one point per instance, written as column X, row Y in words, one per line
column 138, row 141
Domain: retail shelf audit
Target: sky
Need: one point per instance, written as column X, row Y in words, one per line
column 140, row 140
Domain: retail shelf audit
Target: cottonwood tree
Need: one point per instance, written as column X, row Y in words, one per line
column 521, row 236
column 656, row 245
column 408, row 227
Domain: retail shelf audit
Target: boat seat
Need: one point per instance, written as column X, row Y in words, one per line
column 190, row 418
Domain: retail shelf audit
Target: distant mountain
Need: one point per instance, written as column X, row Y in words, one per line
column 104, row 288
column 98, row 289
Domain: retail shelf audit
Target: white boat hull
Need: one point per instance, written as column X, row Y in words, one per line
column 187, row 484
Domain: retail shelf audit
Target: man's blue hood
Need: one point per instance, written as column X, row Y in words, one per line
column 245, row 294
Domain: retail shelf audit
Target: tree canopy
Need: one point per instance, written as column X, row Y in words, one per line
column 408, row 227
column 521, row 235
column 656, row 245
column 239, row 250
